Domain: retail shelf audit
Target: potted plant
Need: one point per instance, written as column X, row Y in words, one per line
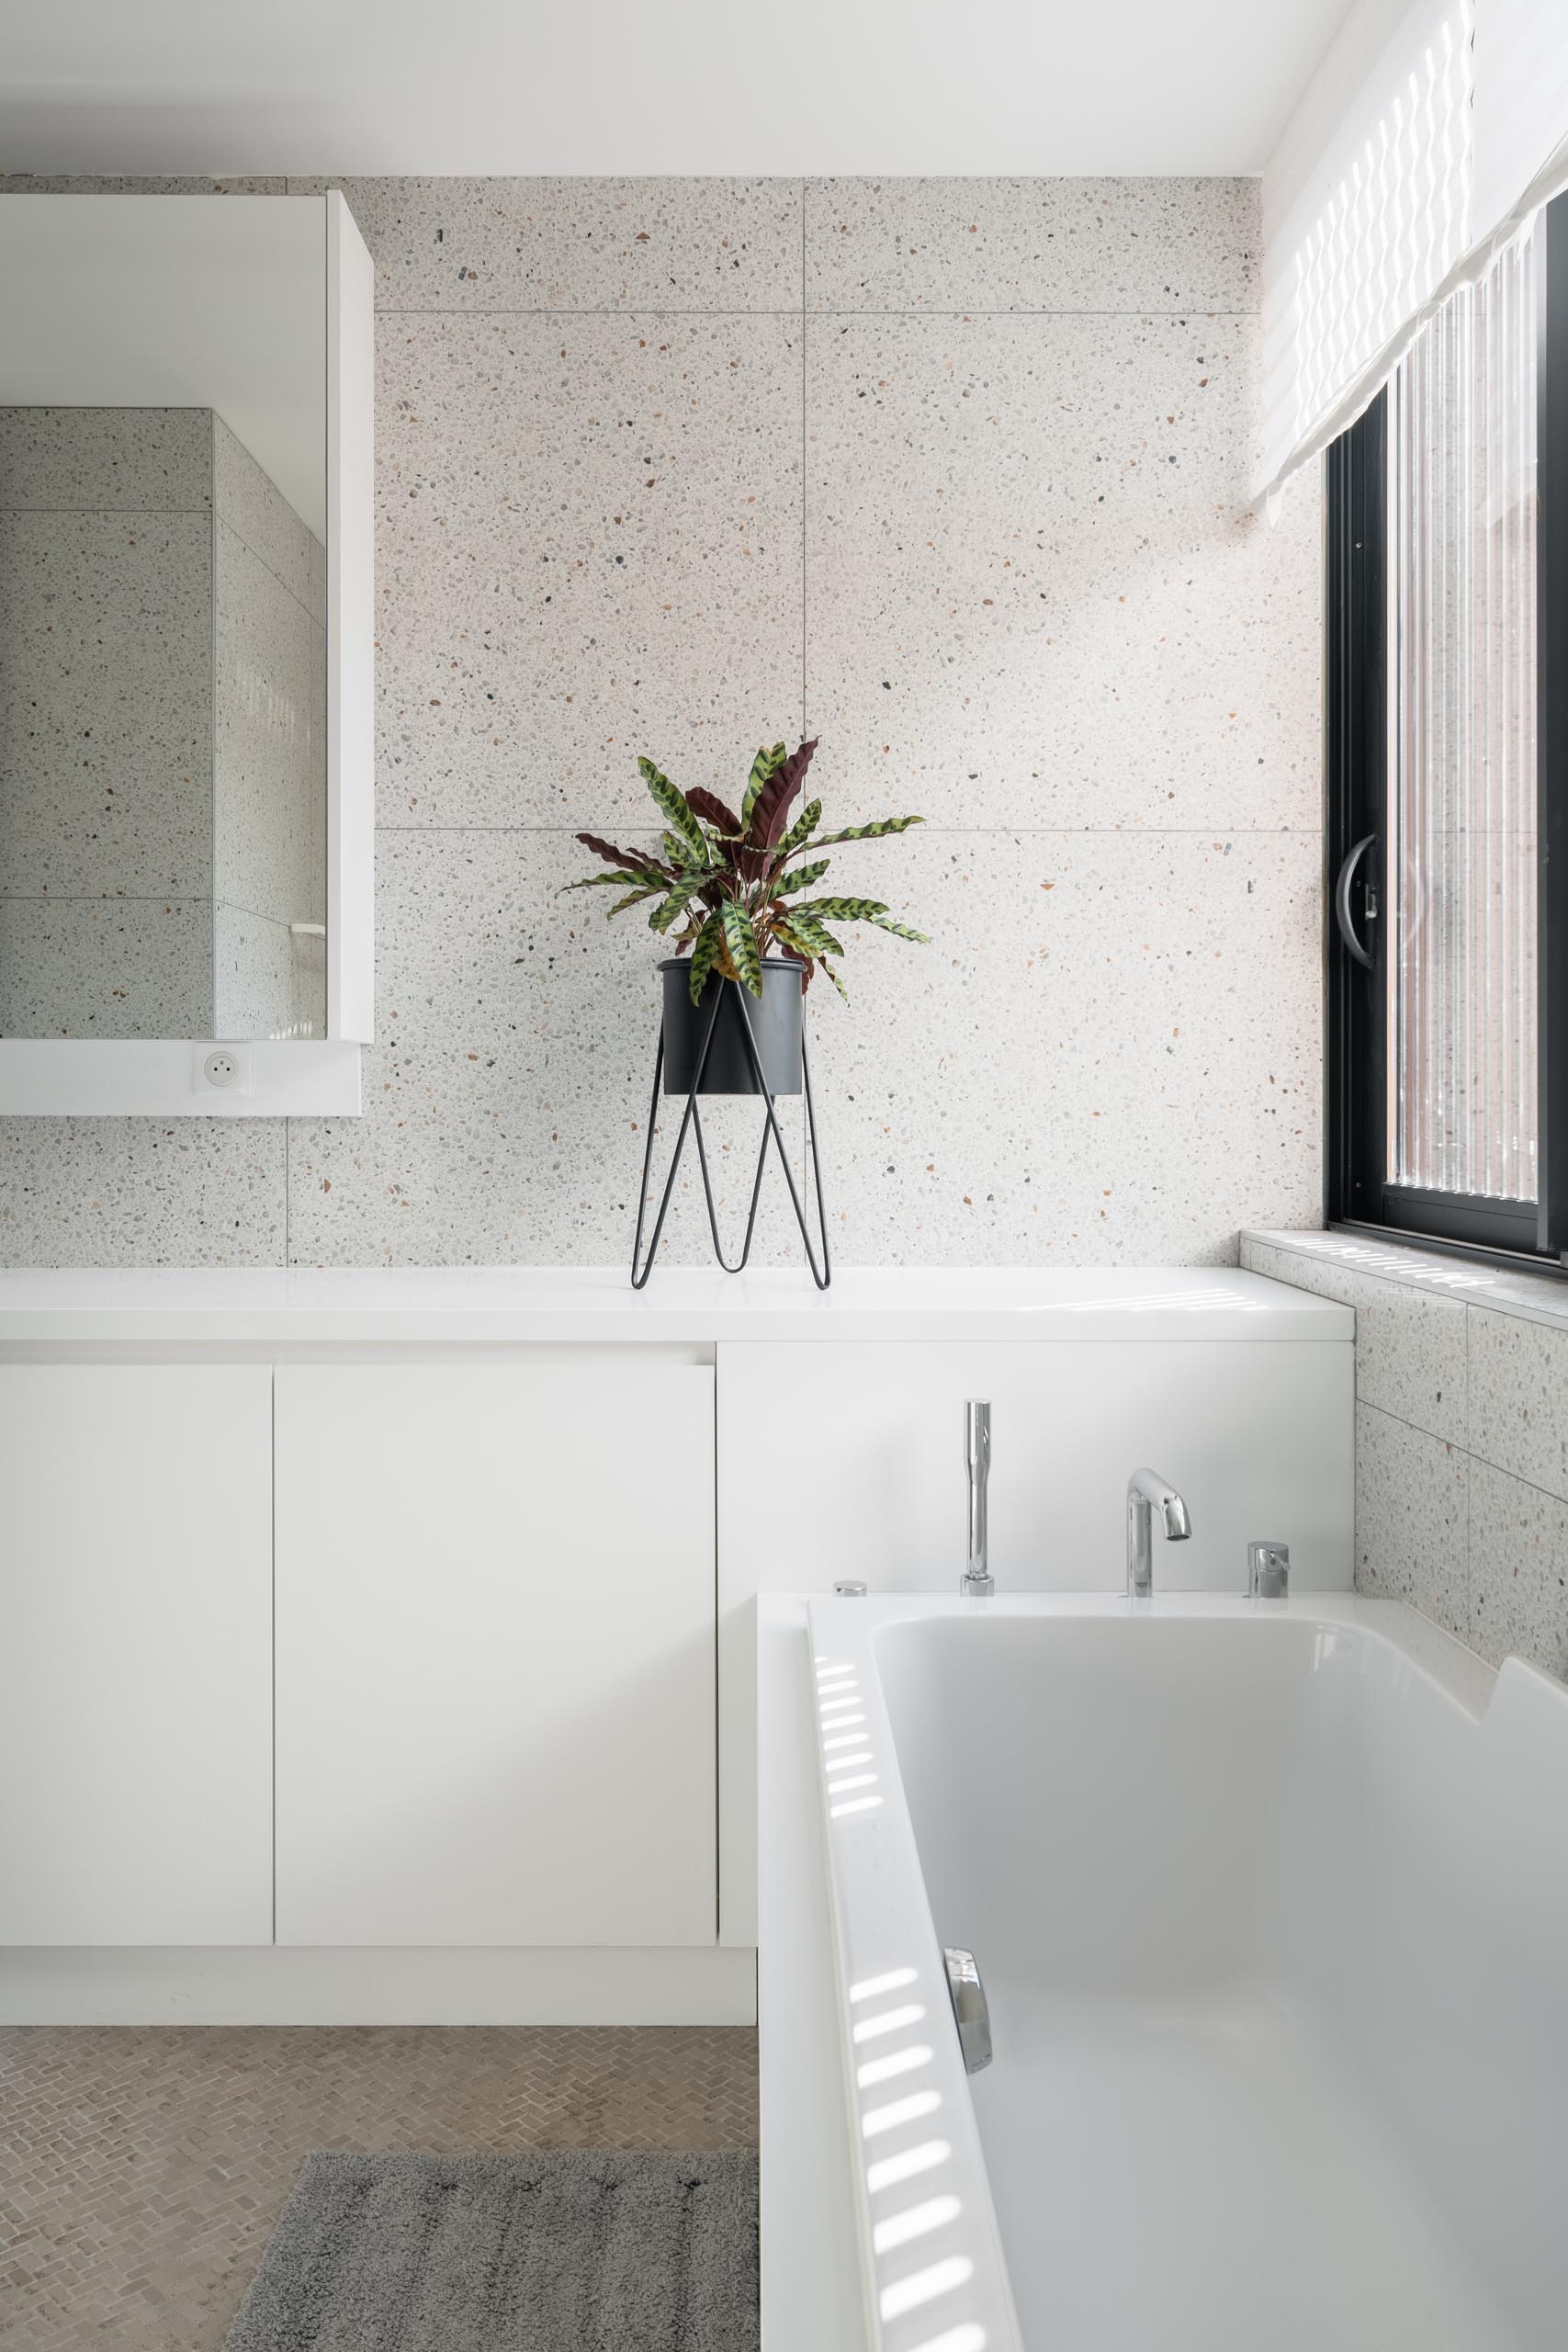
column 730, row 890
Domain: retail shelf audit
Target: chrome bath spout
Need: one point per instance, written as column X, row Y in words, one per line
column 1146, row 1493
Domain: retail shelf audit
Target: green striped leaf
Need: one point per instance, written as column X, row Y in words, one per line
column 764, row 765
column 900, row 929
column 680, row 854
column 635, row 898
column 704, row 952
column 612, row 881
column 811, row 938
column 842, row 910
column 679, row 898
column 818, row 945
column 800, row 832
column 802, row 877
column 673, row 801
column 873, row 832
column 741, row 941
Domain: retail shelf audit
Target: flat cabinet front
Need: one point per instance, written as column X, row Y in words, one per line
column 495, row 1654
column 135, row 1656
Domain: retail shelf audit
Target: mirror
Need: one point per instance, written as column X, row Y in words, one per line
column 177, row 795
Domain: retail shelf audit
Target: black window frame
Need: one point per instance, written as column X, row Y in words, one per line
column 1359, row 1194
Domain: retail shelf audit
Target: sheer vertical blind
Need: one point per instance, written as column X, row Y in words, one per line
column 1462, row 780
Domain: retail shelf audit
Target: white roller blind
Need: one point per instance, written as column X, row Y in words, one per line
column 1521, row 108
column 1366, row 209
column 1427, row 139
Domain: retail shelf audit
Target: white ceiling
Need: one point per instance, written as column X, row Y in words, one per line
column 890, row 86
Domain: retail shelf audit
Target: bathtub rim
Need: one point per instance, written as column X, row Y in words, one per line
column 878, row 1903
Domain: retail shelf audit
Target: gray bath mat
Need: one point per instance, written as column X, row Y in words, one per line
column 510, row 2254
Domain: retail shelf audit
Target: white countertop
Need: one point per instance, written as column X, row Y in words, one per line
column 523, row 1303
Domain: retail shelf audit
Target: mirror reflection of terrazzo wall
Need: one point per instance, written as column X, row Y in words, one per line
column 106, row 722
column 269, row 757
column 163, row 787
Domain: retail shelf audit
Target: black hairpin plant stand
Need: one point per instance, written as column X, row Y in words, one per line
column 817, row 1259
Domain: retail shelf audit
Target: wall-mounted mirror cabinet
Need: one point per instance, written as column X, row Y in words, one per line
column 186, row 655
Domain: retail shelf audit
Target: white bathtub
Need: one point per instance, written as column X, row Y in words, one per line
column 1271, row 1907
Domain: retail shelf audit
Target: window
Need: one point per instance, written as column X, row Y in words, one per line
column 1448, row 774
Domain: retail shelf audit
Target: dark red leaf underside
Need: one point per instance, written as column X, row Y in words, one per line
column 711, row 809
column 769, row 811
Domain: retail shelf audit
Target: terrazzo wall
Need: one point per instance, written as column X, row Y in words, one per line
column 953, row 474
column 269, row 755
column 106, row 722
column 1462, row 1436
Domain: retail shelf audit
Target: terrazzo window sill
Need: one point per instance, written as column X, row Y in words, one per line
column 1535, row 1298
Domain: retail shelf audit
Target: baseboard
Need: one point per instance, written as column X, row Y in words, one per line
column 268, row 1985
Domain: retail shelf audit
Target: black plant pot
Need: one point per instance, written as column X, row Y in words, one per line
column 775, row 1022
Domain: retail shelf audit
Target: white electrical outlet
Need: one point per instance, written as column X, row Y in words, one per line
column 223, row 1069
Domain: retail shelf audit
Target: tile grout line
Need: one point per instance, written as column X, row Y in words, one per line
column 653, row 310
column 221, row 522
column 1483, row 1460
column 939, row 832
column 806, row 1171
column 803, row 464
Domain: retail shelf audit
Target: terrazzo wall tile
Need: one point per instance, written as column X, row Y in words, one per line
column 142, row 1193
column 568, row 243
column 588, row 546
column 1082, row 1067
column 1169, row 245
column 1496, row 1383
column 1410, row 1347
column 269, row 748
column 269, row 753
column 107, row 460
column 1035, row 593
column 89, row 183
column 105, row 717
column 1412, row 1518
column 255, row 510
column 106, row 704
column 267, row 981
column 1519, row 1398
column 106, row 967
column 1519, row 1570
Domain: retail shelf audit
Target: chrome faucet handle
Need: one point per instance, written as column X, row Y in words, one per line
column 971, row 2010
column 1268, row 1571
column 978, row 1579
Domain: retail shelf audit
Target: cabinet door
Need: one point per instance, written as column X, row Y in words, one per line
column 495, row 1654
column 135, row 1654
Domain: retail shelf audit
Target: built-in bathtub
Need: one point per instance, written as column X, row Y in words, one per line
column 1270, row 1903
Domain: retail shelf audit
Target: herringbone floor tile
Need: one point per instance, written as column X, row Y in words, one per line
column 141, row 2169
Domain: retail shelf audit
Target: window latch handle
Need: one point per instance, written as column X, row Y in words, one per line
column 1342, row 889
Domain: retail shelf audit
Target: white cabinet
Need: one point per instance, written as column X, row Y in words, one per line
column 135, row 1654
column 495, row 1629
